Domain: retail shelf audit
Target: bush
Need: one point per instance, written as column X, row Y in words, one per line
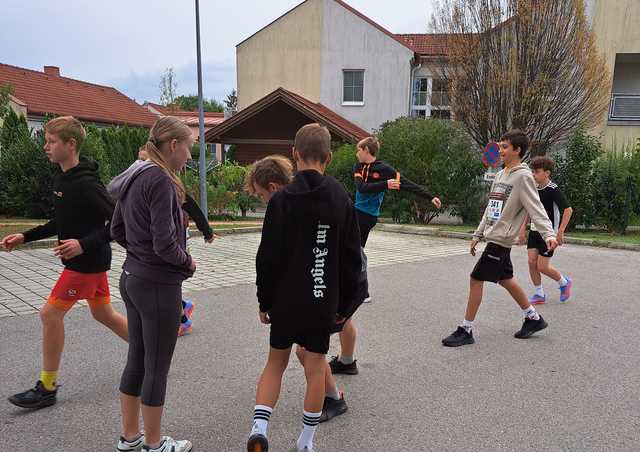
column 121, row 146
column 439, row 155
column 616, row 189
column 574, row 174
column 341, row 166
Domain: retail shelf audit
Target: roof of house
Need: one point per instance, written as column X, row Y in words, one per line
column 348, row 8
column 209, row 116
column 425, row 44
column 315, row 111
column 49, row 93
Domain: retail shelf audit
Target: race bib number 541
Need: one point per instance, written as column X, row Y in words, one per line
column 495, row 209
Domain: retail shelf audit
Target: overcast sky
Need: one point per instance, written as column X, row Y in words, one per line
column 128, row 44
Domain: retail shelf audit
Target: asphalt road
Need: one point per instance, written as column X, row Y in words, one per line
column 575, row 386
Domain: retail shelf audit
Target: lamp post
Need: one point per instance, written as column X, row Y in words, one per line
column 203, row 146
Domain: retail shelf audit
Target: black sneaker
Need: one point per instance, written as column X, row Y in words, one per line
column 337, row 367
column 333, row 408
column 458, row 337
column 257, row 443
column 35, row 398
column 531, row 326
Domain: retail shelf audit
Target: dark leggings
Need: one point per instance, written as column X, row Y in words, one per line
column 366, row 223
column 153, row 313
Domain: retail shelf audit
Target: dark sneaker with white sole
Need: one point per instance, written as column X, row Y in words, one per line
column 459, row 337
column 333, row 408
column 35, row 398
column 257, row 443
column 531, row 326
column 338, row 367
column 130, row 446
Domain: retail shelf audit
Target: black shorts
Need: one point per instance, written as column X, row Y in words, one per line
column 282, row 338
column 536, row 242
column 494, row 264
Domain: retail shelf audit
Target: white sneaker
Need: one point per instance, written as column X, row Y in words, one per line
column 130, row 446
column 168, row 444
column 306, row 449
column 367, row 300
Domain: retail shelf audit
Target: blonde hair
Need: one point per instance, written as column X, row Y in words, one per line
column 275, row 169
column 313, row 143
column 371, row 144
column 164, row 130
column 67, row 127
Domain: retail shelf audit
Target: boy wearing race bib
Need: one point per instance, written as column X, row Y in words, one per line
column 513, row 196
column 559, row 212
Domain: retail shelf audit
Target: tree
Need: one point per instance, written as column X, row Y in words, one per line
column 168, row 87
column 527, row 64
column 190, row 103
column 5, row 92
column 231, row 102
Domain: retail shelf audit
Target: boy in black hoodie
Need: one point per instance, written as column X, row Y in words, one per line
column 83, row 210
column 308, row 266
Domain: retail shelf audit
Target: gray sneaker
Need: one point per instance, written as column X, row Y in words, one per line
column 306, row 449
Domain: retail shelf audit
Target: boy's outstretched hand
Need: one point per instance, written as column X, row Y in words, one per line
column 552, row 244
column 68, row 249
column 436, row 202
column 11, row 241
column 393, row 184
column 264, row 318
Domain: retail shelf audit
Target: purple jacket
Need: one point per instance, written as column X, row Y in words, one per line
column 148, row 223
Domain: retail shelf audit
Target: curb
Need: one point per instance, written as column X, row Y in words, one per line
column 437, row 232
column 50, row 243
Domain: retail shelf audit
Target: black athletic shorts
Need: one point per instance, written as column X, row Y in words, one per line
column 282, row 338
column 494, row 264
column 536, row 242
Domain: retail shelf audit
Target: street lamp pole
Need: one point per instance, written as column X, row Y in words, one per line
column 203, row 146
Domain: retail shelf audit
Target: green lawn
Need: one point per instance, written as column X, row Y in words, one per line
column 632, row 238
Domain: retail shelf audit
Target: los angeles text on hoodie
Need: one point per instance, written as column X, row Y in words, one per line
column 309, row 264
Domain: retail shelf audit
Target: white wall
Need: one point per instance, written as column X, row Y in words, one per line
column 349, row 42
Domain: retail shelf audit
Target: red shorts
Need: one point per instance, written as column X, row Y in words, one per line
column 73, row 286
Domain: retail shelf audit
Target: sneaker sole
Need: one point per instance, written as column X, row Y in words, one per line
column 566, row 298
column 530, row 333
column 537, row 302
column 185, row 332
column 33, row 407
column 459, row 344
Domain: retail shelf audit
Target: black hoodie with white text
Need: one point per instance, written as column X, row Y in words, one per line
column 309, row 264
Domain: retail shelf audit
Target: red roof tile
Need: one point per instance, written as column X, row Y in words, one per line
column 50, row 94
column 168, row 111
column 426, row 44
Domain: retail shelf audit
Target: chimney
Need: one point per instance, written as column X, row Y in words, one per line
column 53, row 71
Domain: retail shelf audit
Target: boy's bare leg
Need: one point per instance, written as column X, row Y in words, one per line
column 52, row 337
column 475, row 298
column 330, row 384
column 534, row 270
column 348, row 337
column 315, row 371
column 516, row 292
column 544, row 265
column 270, row 382
column 109, row 317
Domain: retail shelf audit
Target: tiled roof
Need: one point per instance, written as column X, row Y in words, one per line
column 426, row 44
column 48, row 93
column 315, row 111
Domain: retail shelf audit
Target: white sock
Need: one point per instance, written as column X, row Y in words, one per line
column 346, row 359
column 539, row 291
column 261, row 416
column 531, row 313
column 467, row 325
column 335, row 394
column 562, row 281
column 310, row 423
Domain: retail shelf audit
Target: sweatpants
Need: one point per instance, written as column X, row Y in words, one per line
column 366, row 223
column 153, row 314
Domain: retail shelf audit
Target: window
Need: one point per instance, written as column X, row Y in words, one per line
column 441, row 114
column 439, row 94
column 420, row 92
column 353, row 87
